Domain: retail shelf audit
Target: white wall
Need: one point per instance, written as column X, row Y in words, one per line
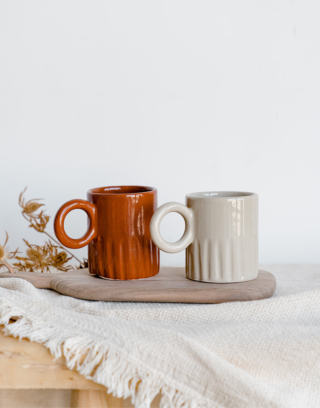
column 181, row 95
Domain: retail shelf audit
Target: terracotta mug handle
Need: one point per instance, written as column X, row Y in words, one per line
column 63, row 211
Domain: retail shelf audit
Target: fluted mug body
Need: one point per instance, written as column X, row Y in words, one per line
column 221, row 236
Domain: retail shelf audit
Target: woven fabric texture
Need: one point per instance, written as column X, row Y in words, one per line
column 262, row 353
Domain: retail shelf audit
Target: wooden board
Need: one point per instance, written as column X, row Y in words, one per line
column 170, row 285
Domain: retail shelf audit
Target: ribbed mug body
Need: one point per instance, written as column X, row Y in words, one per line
column 225, row 241
column 123, row 248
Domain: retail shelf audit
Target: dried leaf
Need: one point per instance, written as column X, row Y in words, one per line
column 41, row 223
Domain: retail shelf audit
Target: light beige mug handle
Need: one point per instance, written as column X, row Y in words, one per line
column 187, row 238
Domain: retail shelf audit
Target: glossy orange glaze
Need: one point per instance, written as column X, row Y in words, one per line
column 120, row 244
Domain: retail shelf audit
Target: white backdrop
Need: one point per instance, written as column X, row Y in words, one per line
column 181, row 95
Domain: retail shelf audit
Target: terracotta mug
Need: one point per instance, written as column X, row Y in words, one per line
column 118, row 235
column 221, row 235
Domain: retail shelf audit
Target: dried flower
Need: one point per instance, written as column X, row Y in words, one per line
column 29, row 207
column 39, row 222
column 61, row 258
column 35, row 255
column 42, row 257
column 6, row 254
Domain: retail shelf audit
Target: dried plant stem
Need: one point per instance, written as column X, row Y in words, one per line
column 58, row 243
column 11, row 270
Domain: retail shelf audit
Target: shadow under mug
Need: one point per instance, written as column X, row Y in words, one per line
column 221, row 235
column 118, row 235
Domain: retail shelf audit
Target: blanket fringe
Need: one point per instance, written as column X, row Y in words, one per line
column 101, row 364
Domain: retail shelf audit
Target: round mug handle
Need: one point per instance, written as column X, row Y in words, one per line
column 63, row 211
column 187, row 238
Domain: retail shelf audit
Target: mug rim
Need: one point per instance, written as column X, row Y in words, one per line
column 221, row 195
column 126, row 190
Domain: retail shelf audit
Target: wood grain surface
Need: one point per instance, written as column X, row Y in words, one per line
column 25, row 365
column 170, row 285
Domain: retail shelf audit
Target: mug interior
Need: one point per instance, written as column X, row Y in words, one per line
column 220, row 194
column 117, row 190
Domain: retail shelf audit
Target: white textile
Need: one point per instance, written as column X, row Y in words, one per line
column 262, row 353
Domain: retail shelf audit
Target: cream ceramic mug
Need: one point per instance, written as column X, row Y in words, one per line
column 221, row 235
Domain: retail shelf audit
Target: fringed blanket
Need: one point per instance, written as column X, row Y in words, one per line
column 264, row 353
